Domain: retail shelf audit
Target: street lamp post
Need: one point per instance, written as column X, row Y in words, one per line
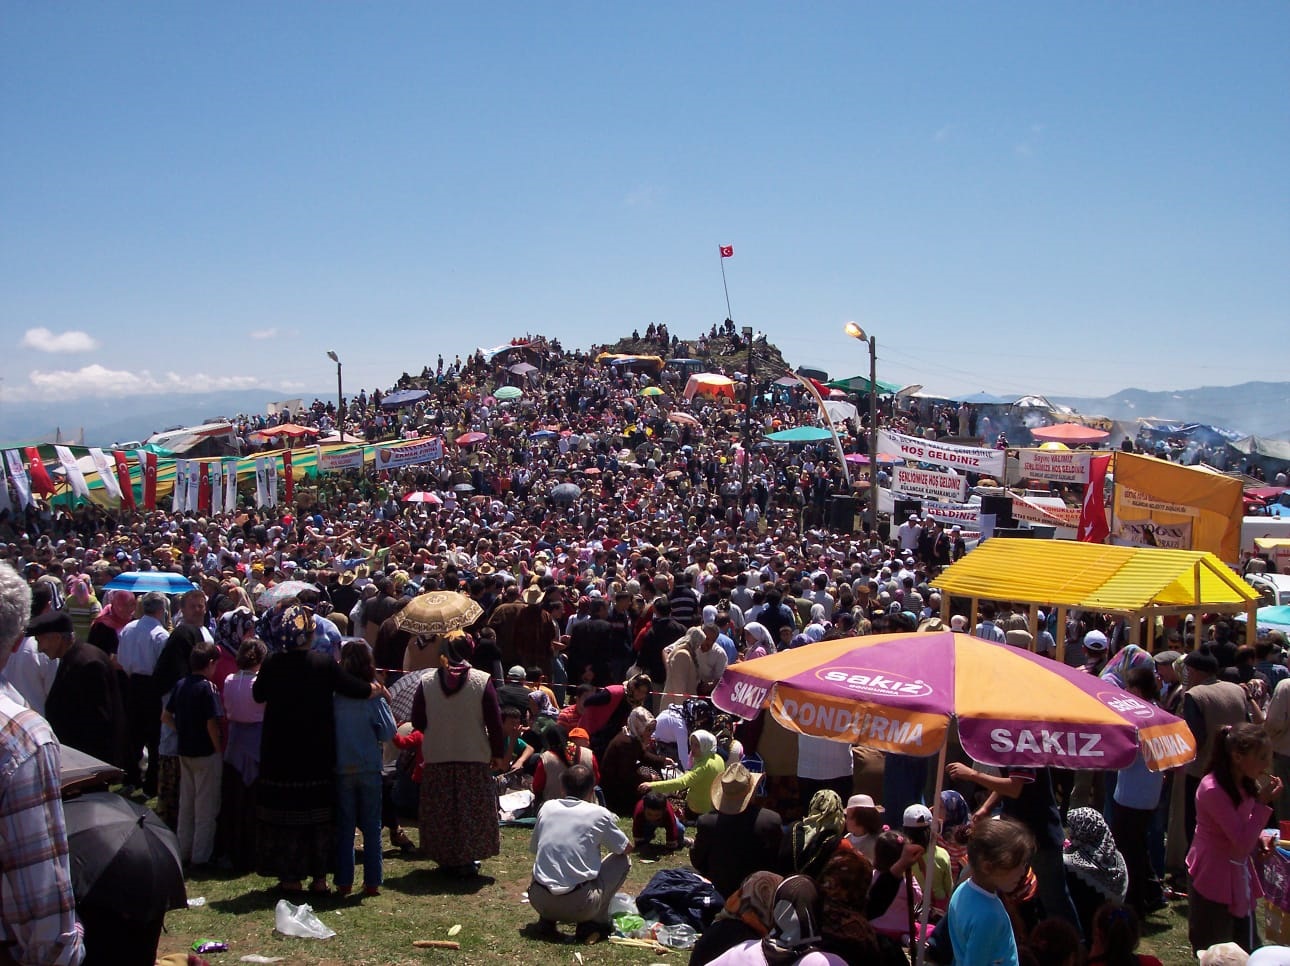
column 748, row 404
column 854, row 330
column 340, row 398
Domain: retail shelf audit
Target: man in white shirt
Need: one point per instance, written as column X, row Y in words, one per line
column 141, row 644
column 29, row 672
column 709, row 660
column 908, row 533
column 570, row 881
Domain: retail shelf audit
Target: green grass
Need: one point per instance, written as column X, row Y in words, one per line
column 417, row 902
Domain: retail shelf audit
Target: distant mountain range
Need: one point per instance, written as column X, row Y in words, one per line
column 128, row 418
column 1252, row 408
column 1255, row 408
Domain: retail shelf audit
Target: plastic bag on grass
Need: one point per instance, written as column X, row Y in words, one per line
column 622, row 903
column 300, row 921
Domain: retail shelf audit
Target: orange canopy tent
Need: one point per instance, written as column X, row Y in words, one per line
column 1069, row 433
column 288, row 429
column 709, row 384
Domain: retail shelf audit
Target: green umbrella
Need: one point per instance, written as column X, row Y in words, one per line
column 651, row 391
column 508, row 392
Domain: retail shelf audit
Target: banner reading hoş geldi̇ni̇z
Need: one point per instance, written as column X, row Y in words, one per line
column 974, row 459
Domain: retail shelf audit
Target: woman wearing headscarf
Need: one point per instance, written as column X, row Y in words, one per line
column 457, row 711
column 231, row 629
column 1095, row 869
column 105, row 631
column 245, row 719
column 746, row 917
column 682, row 668
column 81, row 606
column 706, row 764
column 296, row 794
column 812, row 839
column 844, row 884
column 605, row 711
column 757, row 641
column 629, row 760
column 795, row 938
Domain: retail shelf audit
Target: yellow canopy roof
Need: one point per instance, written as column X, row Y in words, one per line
column 1095, row 576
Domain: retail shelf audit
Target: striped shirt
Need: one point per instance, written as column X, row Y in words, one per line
column 37, row 909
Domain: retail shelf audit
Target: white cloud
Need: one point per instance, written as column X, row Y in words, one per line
column 261, row 334
column 945, row 133
column 99, row 381
column 43, row 340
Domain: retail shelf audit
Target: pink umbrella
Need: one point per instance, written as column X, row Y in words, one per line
column 1069, row 433
column 423, row 496
column 467, row 439
column 863, row 460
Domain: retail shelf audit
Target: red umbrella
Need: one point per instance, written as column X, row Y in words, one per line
column 423, row 496
column 1069, row 433
column 467, row 439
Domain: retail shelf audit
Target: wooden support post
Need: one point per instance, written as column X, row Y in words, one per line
column 1060, row 636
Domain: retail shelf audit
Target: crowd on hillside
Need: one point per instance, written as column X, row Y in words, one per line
column 268, row 721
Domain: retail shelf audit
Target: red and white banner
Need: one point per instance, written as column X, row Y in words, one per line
column 148, row 461
column 1050, row 511
column 288, row 476
column 1093, row 527
column 393, row 457
column 1059, row 466
column 941, row 486
column 18, row 473
column 337, row 462
column 974, row 459
column 123, row 479
column 40, row 481
column 203, row 488
column 75, row 478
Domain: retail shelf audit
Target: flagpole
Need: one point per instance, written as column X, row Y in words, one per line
column 722, row 259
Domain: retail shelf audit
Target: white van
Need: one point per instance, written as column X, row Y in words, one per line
column 1273, row 588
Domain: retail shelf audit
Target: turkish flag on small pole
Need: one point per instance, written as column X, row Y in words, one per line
column 726, row 251
column 1093, row 527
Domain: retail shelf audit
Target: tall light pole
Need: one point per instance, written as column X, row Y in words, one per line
column 340, row 398
column 854, row 330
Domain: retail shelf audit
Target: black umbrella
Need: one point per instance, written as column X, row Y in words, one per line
column 123, row 857
column 565, row 493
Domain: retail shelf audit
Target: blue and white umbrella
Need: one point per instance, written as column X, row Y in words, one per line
column 148, row 581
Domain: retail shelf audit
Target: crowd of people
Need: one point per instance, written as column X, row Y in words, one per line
column 269, row 727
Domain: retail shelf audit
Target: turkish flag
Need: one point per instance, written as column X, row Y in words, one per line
column 287, row 474
column 150, row 481
column 727, row 251
column 40, row 481
column 123, row 478
column 1092, row 518
column 203, row 489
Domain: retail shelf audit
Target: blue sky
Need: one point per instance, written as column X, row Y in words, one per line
column 1061, row 197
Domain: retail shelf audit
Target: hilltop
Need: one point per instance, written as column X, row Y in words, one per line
column 721, row 353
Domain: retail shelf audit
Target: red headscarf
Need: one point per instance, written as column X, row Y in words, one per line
column 119, row 610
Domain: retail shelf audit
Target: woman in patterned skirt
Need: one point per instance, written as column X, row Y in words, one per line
column 456, row 709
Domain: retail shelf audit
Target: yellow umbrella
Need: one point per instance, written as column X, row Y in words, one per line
column 1054, row 445
column 438, row 612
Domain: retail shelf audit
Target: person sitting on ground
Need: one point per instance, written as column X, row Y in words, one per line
column 812, row 839
column 1115, row 938
column 795, row 936
column 571, row 883
column 864, row 824
column 654, row 812
column 706, row 765
column 517, row 752
column 561, row 754
column 738, row 838
column 629, row 760
column 1053, row 942
column 746, row 917
column 844, row 884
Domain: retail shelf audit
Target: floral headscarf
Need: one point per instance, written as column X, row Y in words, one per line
column 1091, row 854
column 289, row 628
column 753, row 903
column 232, row 627
column 638, row 723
